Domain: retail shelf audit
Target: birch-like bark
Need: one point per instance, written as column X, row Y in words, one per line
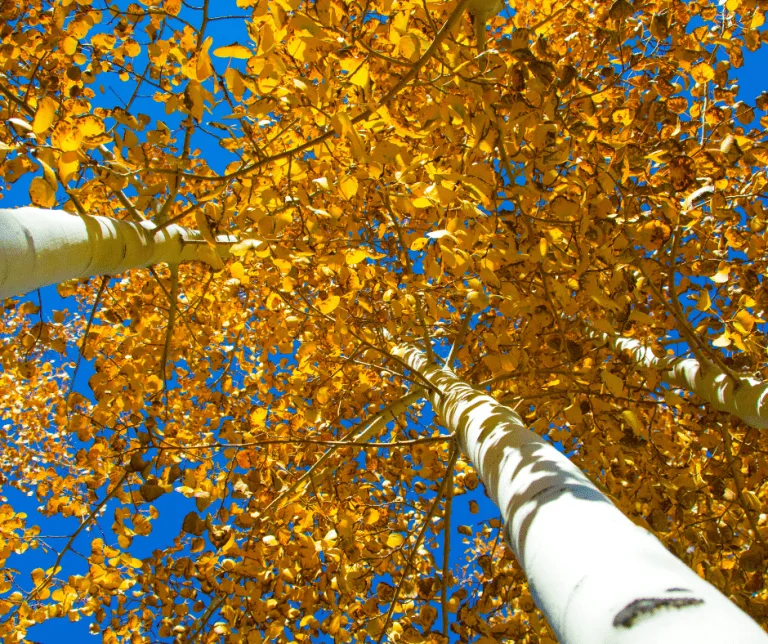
column 746, row 398
column 597, row 576
column 39, row 247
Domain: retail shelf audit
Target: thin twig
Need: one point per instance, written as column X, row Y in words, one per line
column 419, row 538
column 446, row 548
column 459, row 339
column 81, row 352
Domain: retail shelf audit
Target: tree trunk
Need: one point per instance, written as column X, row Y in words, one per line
column 746, row 398
column 597, row 577
column 40, row 247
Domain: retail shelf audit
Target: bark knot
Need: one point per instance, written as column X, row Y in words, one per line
column 647, row 606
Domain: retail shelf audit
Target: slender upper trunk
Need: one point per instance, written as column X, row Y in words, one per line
column 40, row 247
column 746, row 398
column 597, row 576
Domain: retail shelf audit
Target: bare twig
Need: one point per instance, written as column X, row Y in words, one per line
column 419, row 538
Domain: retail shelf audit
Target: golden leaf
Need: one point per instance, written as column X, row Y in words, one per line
column 208, row 254
column 348, row 187
column 66, row 137
column 237, row 270
column 329, row 305
column 478, row 299
column 355, row 256
column 410, row 47
column 235, row 50
column 193, row 524
column 371, row 516
column 46, row 110
column 744, row 322
column 614, row 384
column 623, row 115
column 632, row 420
column 702, row 73
column 722, row 341
column 203, row 227
column 150, row 492
column 703, row 302
column 41, row 193
column 395, row 540
column 172, row 7
column 204, row 69
column 243, row 247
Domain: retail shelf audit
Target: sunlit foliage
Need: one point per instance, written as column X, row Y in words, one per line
column 589, row 170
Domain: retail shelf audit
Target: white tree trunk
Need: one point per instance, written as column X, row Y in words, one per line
column 597, row 576
column 746, row 399
column 40, row 247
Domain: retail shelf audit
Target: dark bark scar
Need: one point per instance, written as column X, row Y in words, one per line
column 646, row 606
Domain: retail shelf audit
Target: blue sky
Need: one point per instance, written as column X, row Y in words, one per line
column 751, row 78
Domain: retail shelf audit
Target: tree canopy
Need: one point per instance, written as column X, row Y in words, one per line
column 562, row 214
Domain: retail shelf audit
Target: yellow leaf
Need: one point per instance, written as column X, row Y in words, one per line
column 395, row 540
column 41, row 193
column 203, row 227
column 46, row 110
column 704, row 302
column 419, row 243
column 329, row 305
column 410, row 47
column 614, row 384
column 439, row 234
column 421, row 202
column 671, row 398
column 172, row 7
column 208, row 255
column 204, row 69
column 243, row 247
column 237, row 270
column 371, row 516
column 335, row 624
column 721, row 277
column 66, row 137
column 193, row 524
column 357, row 70
column 235, row 50
column 722, row 341
column 702, row 73
column 744, row 322
column 573, row 413
column 623, row 115
column 69, row 45
column 478, row 299
column 348, row 187
column 356, row 256
column 49, row 174
column 90, row 126
column 639, row 316
column 632, row 420
column 563, row 208
column 258, row 416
